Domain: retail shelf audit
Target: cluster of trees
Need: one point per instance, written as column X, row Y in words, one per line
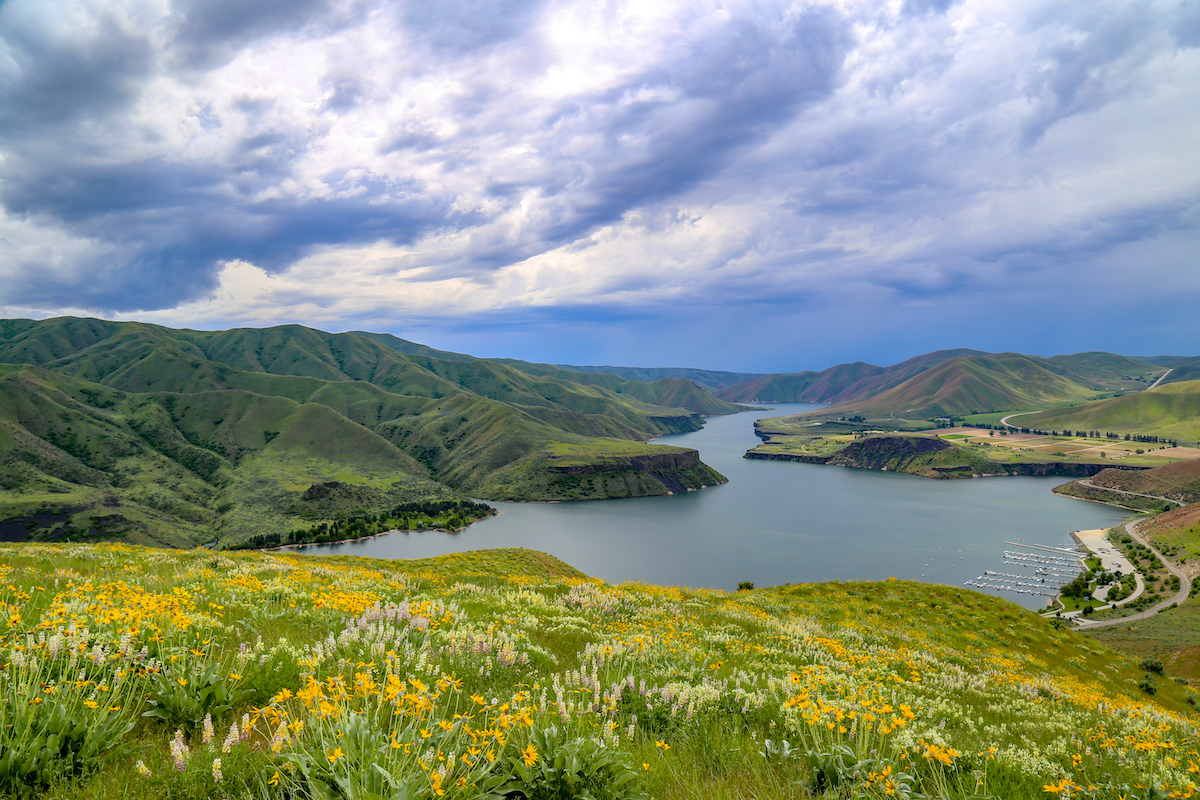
column 414, row 516
column 1129, row 437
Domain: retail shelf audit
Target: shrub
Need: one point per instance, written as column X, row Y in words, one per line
column 182, row 701
column 580, row 768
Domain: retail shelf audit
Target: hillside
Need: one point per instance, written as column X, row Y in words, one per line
column 951, row 383
column 709, row 379
column 840, row 383
column 507, row 673
column 1007, row 381
column 670, row 387
column 178, row 437
column 1179, row 482
column 1171, row 411
column 930, row 456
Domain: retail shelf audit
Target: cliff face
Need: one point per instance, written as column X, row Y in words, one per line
column 546, row 477
column 928, row 457
column 677, row 472
column 892, row 452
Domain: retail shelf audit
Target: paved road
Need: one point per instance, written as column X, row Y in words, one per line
column 1004, row 420
column 1088, row 483
column 1185, row 588
column 1160, row 379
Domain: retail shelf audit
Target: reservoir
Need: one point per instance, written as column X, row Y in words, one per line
column 778, row 522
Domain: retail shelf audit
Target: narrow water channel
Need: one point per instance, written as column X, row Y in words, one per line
column 778, row 522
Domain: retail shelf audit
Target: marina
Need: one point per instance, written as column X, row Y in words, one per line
column 1051, row 568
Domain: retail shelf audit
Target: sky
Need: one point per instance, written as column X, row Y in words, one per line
column 757, row 186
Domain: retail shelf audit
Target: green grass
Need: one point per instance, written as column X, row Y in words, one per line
column 1171, row 411
column 974, row 385
column 953, row 693
column 179, row 437
column 1172, row 636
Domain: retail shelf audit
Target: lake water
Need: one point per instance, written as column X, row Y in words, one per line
column 778, row 522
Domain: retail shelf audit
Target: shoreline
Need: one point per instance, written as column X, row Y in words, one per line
column 300, row 545
column 1024, row 469
column 1101, row 502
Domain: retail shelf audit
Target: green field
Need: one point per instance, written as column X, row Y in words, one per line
column 1171, row 411
column 493, row 673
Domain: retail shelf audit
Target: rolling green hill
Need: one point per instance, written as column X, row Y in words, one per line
column 671, row 387
column 1183, row 369
column 709, row 379
column 836, row 384
column 1171, row 411
column 179, row 468
column 1179, row 482
column 1004, row 381
column 200, row 435
column 967, row 383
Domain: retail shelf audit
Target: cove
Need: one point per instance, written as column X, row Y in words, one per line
column 777, row 522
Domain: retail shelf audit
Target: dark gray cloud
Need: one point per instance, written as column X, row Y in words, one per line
column 597, row 159
column 52, row 80
column 1081, row 75
column 735, row 87
column 209, row 32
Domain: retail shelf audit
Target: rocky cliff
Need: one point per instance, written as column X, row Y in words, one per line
column 546, row 476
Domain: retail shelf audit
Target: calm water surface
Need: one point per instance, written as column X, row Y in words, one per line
column 777, row 522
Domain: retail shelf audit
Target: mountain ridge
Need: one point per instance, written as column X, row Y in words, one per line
column 221, row 429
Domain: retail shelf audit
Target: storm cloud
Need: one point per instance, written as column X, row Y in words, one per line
column 553, row 177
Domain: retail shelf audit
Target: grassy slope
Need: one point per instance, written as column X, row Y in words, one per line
column 1179, row 481
column 179, row 469
column 840, row 383
column 1106, row 366
column 144, row 358
column 971, row 385
column 596, row 469
column 341, row 406
column 709, row 379
column 912, row 676
column 953, row 383
column 1172, row 637
column 917, row 455
column 671, row 388
column 1171, row 410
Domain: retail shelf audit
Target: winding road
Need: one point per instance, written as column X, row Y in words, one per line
column 1088, row 483
column 1185, row 587
column 1005, row 423
column 1004, row 420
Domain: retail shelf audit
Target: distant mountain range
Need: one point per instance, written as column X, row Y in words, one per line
column 950, row 382
column 979, row 383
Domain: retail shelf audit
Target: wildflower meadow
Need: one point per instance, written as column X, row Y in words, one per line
column 132, row 672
